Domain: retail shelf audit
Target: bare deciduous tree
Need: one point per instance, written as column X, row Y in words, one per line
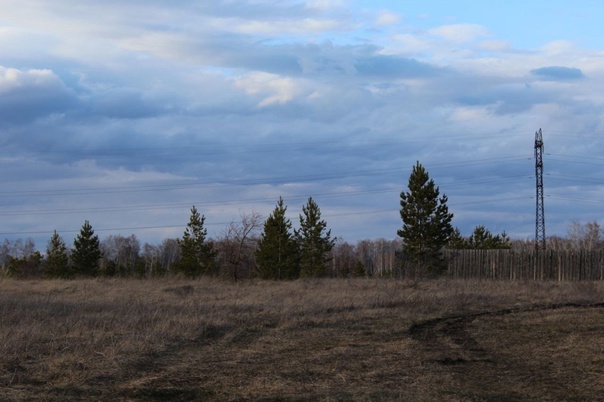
column 158, row 259
column 237, row 244
column 120, row 254
column 169, row 253
column 585, row 236
column 344, row 259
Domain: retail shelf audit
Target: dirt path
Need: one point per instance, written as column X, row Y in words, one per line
column 480, row 369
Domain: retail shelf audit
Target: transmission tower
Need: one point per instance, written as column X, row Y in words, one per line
column 540, row 215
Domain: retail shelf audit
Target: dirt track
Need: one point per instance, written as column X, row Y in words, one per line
column 488, row 371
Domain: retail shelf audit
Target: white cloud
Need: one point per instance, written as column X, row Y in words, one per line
column 306, row 26
column 279, row 89
column 325, row 5
column 460, row 33
column 12, row 78
column 410, row 43
column 558, row 47
column 387, row 18
column 494, row 45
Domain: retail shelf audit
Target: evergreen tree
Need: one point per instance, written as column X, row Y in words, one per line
column 197, row 256
column 277, row 249
column 86, row 252
column 28, row 266
column 457, row 241
column 483, row 239
column 314, row 241
column 426, row 221
column 480, row 239
column 57, row 260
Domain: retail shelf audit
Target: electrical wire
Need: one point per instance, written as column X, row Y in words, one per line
column 241, row 182
column 557, row 197
column 267, row 147
column 293, row 179
column 449, row 185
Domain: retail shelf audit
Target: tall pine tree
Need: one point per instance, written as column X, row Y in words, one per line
column 277, row 249
column 86, row 252
column 57, row 260
column 426, row 221
column 314, row 241
column 197, row 255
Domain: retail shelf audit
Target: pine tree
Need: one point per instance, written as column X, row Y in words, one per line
column 314, row 241
column 457, row 241
column 426, row 221
column 480, row 239
column 86, row 252
column 57, row 260
column 277, row 249
column 483, row 239
column 197, row 256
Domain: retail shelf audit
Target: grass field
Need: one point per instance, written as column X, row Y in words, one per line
column 361, row 339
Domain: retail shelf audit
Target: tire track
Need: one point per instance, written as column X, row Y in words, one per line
column 448, row 342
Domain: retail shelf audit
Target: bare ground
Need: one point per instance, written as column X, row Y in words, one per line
column 304, row 340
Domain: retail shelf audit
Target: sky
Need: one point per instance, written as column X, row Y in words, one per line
column 127, row 113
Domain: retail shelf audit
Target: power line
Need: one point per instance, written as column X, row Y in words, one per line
column 33, row 232
column 242, row 182
column 283, row 180
column 207, row 203
column 575, row 179
column 448, row 185
column 582, row 158
column 489, row 201
column 581, row 162
column 197, row 184
column 557, row 197
column 266, row 147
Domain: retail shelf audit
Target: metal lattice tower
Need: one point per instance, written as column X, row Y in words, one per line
column 540, row 215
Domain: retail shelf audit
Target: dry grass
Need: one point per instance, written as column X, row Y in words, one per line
column 304, row 340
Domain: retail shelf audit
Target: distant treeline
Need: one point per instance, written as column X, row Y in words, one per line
column 273, row 249
column 573, row 258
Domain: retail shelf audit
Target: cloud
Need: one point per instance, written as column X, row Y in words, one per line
column 507, row 98
column 123, row 104
column 387, row 18
column 31, row 94
column 245, row 101
column 494, row 46
column 227, row 50
column 557, row 73
column 325, row 5
column 460, row 33
column 308, row 26
column 395, row 67
column 273, row 88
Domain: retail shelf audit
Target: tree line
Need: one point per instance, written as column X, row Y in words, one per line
column 278, row 253
column 272, row 249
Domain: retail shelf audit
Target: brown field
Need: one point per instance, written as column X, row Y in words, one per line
column 362, row 339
